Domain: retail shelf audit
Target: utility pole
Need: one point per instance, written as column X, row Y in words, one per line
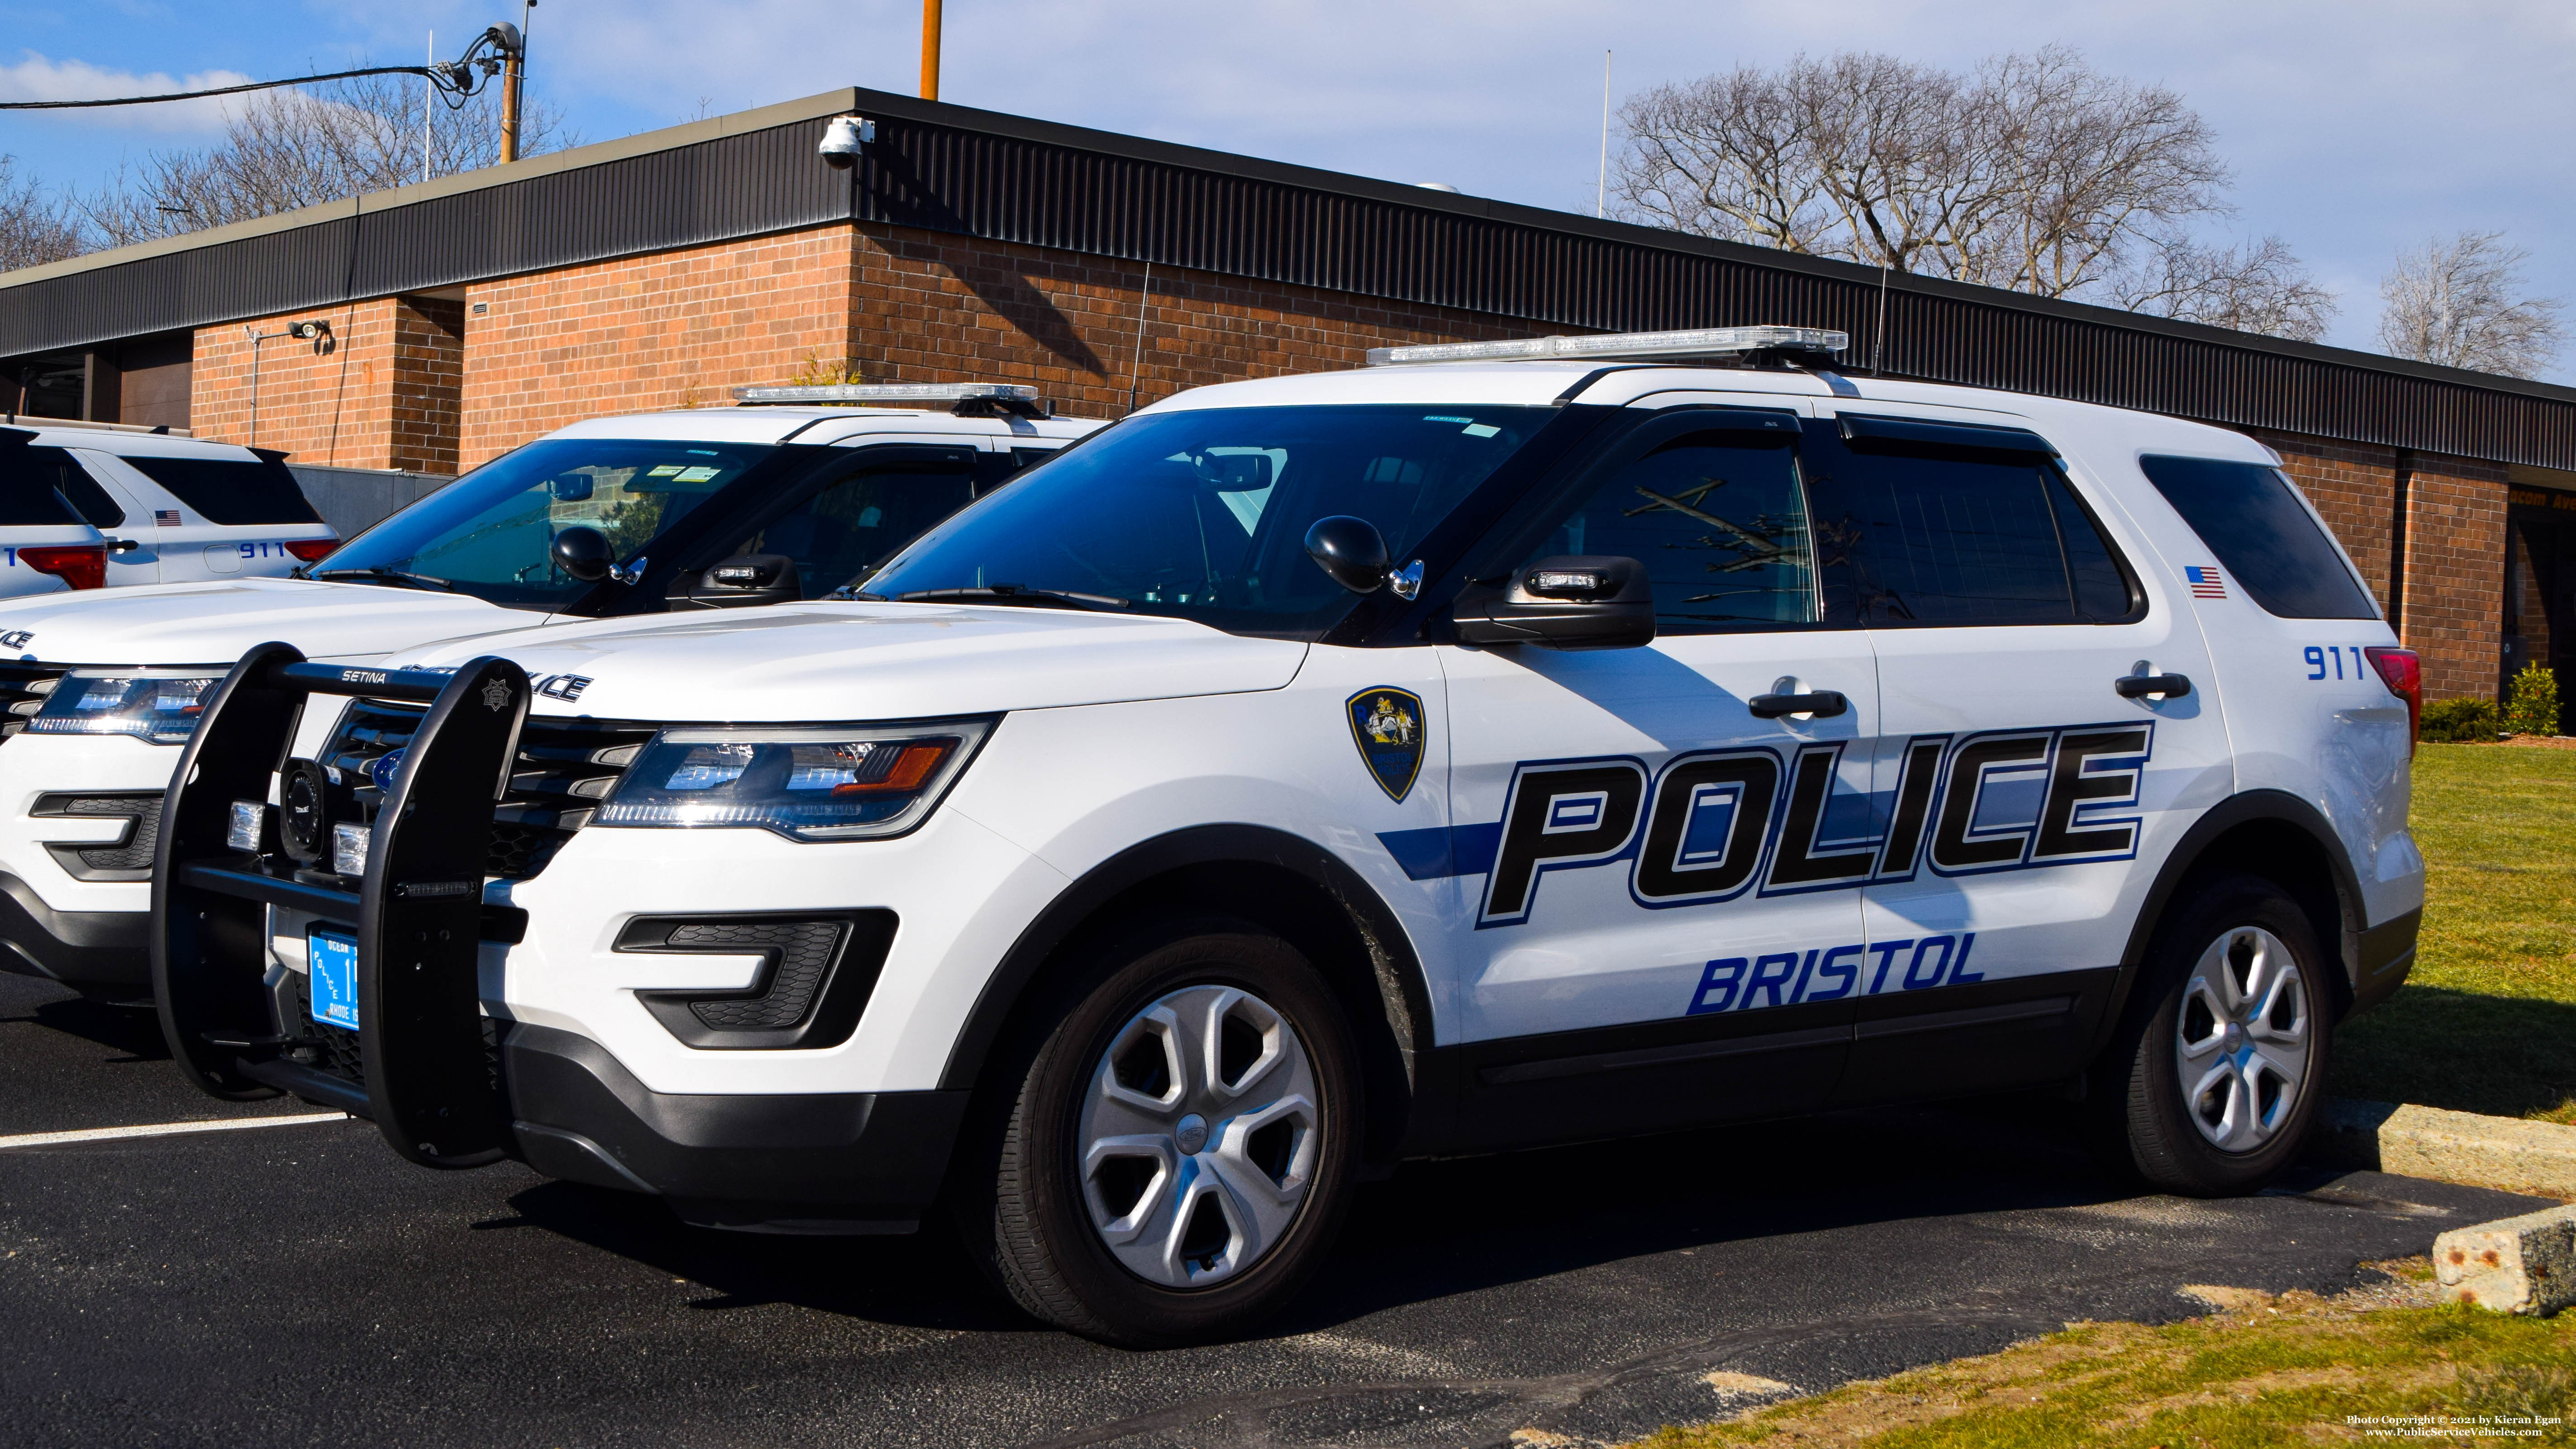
column 513, row 76
column 930, row 50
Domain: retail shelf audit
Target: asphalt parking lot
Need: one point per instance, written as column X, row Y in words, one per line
column 297, row 1284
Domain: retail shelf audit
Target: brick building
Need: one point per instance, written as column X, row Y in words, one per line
column 468, row 314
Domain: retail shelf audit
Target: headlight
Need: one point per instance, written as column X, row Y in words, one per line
column 822, row 782
column 160, row 705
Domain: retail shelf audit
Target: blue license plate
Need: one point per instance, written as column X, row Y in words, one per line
column 333, row 959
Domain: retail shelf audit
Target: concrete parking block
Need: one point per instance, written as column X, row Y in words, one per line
column 2462, row 1147
column 2514, row 1265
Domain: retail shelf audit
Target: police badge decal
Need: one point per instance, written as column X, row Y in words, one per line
column 1387, row 725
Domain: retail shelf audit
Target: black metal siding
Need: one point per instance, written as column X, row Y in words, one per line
column 1009, row 180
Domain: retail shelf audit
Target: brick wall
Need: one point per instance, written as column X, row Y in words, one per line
column 378, row 392
column 2455, row 574
column 890, row 304
column 670, row 330
column 427, row 384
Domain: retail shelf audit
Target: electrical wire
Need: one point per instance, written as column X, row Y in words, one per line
column 455, row 80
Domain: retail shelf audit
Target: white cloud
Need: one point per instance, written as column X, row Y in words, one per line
column 40, row 79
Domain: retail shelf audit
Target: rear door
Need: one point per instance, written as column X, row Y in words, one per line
column 1662, row 884
column 2025, row 798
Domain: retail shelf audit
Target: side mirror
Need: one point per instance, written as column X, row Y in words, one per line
column 584, row 553
column 746, row 580
column 1585, row 601
column 1352, row 551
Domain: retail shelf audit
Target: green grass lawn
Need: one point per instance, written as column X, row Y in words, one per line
column 2290, row 1370
column 2487, row 1022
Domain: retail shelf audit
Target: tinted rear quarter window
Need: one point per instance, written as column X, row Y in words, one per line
column 230, row 491
column 31, row 486
column 2251, row 520
column 1910, row 532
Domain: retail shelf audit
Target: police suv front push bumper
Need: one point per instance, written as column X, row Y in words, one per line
column 448, row 1086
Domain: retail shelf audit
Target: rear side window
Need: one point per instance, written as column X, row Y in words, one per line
column 1913, row 533
column 2247, row 515
column 31, row 486
column 224, row 490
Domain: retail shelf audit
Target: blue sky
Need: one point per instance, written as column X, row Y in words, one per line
column 2355, row 128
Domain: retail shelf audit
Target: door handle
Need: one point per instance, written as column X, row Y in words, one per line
column 2160, row 686
column 1822, row 703
column 121, row 545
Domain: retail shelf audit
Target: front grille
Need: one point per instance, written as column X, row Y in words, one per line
column 129, row 861
column 805, row 950
column 564, row 769
column 23, row 687
column 326, row 1048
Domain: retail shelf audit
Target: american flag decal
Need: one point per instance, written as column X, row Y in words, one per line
column 166, row 517
column 2204, row 582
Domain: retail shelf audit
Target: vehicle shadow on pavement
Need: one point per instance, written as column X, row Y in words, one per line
column 914, row 1281
column 133, row 1030
column 1439, row 1229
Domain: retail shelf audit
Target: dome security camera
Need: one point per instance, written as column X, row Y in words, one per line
column 842, row 140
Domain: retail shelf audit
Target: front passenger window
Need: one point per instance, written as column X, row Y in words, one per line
column 855, row 524
column 1719, row 522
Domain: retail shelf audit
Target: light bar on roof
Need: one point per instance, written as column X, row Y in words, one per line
column 886, row 392
column 1611, row 346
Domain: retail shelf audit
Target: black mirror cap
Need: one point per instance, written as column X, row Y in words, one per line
column 1577, row 601
column 1352, row 551
column 584, row 553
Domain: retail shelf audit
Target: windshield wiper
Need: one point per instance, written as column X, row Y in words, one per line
column 389, row 576
column 1015, row 594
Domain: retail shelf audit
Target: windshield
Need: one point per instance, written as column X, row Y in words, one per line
column 1203, row 514
column 489, row 534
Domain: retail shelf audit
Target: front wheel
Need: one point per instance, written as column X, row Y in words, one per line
column 1180, row 1145
column 2222, row 1068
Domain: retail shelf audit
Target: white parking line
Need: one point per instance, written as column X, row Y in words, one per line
column 165, row 1129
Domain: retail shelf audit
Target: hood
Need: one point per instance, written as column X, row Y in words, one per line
column 792, row 662
column 216, row 623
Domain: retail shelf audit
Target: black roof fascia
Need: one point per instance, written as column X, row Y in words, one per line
column 950, row 168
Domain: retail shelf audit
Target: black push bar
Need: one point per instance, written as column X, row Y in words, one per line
column 417, row 911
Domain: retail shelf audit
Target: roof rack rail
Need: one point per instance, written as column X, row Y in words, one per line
column 30, row 420
column 1752, row 346
column 966, row 399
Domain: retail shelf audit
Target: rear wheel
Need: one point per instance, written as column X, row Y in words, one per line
column 2222, row 1067
column 1179, row 1145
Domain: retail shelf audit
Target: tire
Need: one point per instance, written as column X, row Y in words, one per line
column 1127, row 1192
column 2220, row 1068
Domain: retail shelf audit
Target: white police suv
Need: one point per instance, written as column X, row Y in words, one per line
column 719, row 507
column 1309, row 773
column 90, row 505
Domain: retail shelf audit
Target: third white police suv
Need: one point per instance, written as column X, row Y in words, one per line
column 1513, row 743
column 681, row 511
column 95, row 505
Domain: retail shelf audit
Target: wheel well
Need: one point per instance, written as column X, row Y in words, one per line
column 2292, row 858
column 1353, row 942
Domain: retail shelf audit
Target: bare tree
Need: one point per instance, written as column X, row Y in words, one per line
column 2462, row 303
column 34, row 228
column 2035, row 172
column 290, row 149
column 2253, row 286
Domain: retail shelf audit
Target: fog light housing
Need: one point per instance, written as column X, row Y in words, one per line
column 349, row 848
column 246, row 828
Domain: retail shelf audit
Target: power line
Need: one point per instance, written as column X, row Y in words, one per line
column 459, row 78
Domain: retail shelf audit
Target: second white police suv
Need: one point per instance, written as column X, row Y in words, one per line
column 643, row 514
column 1512, row 743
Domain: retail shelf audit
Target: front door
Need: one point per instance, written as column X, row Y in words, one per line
column 1658, row 882
column 2026, row 797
